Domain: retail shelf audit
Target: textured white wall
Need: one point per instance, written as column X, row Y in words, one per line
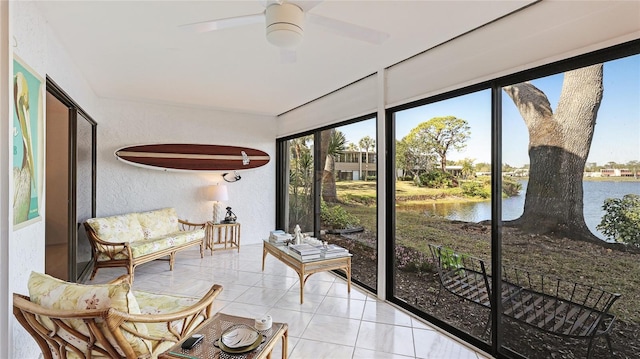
column 4, row 178
column 26, row 245
column 121, row 187
column 125, row 188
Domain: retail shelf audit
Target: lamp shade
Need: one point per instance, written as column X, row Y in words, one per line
column 218, row 193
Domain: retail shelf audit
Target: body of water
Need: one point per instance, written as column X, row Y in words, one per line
column 595, row 192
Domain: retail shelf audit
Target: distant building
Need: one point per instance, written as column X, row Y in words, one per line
column 456, row 171
column 351, row 165
column 615, row 172
column 518, row 172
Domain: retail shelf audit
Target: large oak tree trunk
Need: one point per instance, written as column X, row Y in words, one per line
column 559, row 144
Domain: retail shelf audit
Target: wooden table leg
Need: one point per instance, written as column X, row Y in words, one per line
column 349, row 276
column 285, row 344
column 238, row 237
column 302, row 280
column 264, row 255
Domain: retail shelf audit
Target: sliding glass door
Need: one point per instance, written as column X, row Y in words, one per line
column 331, row 191
column 442, row 180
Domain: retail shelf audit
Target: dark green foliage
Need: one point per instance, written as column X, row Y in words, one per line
column 436, row 179
column 450, row 259
column 621, row 221
column 475, row 189
column 336, row 217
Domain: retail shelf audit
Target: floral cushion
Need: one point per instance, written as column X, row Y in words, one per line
column 151, row 303
column 117, row 229
column 187, row 236
column 141, row 248
column 159, row 223
column 54, row 293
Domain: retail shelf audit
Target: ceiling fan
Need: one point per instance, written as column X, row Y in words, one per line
column 285, row 22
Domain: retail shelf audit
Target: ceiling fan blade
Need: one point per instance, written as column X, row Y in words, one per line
column 349, row 30
column 288, row 56
column 306, row 5
column 212, row 25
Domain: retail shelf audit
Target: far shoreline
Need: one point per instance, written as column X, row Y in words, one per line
column 407, row 204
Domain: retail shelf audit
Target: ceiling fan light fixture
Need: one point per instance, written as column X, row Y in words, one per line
column 284, row 25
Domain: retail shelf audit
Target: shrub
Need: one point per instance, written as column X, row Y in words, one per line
column 510, row 187
column 475, row 189
column 436, row 179
column 337, row 217
column 621, row 221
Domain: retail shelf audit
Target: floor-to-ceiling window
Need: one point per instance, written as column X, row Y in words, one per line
column 332, row 191
column 442, row 179
column 571, row 142
column 534, row 181
column 513, row 207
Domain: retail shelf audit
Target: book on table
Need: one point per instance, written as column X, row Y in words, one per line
column 328, row 255
column 304, row 258
column 332, row 248
column 279, row 237
column 304, row 249
column 335, row 248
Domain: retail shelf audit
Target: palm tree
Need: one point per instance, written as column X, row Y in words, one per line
column 365, row 143
column 335, row 146
column 300, row 183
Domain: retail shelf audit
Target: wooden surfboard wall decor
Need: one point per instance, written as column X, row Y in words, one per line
column 192, row 157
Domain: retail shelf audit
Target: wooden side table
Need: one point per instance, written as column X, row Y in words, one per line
column 222, row 235
column 212, row 330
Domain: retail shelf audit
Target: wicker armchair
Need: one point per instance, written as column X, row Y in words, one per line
column 113, row 333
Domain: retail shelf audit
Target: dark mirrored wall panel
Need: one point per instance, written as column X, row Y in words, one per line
column 85, row 187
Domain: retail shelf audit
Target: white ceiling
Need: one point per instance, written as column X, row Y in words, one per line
column 136, row 50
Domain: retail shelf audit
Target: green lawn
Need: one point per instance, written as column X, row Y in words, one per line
column 568, row 259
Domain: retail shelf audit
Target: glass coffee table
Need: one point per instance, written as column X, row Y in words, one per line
column 213, row 329
column 308, row 267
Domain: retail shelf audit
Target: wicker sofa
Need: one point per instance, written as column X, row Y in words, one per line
column 131, row 239
column 70, row 320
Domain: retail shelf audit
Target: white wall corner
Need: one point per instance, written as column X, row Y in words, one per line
column 5, row 91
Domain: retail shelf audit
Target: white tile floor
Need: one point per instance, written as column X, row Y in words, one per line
column 330, row 324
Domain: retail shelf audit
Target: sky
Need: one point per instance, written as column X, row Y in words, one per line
column 616, row 136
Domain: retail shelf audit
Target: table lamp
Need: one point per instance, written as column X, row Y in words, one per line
column 217, row 194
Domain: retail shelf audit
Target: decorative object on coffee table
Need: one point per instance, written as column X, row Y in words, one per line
column 297, row 234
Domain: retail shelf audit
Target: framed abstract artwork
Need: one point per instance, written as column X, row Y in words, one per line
column 28, row 144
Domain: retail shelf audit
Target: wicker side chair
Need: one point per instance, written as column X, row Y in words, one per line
column 112, row 333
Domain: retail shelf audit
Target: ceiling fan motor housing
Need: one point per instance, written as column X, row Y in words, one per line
column 284, row 24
